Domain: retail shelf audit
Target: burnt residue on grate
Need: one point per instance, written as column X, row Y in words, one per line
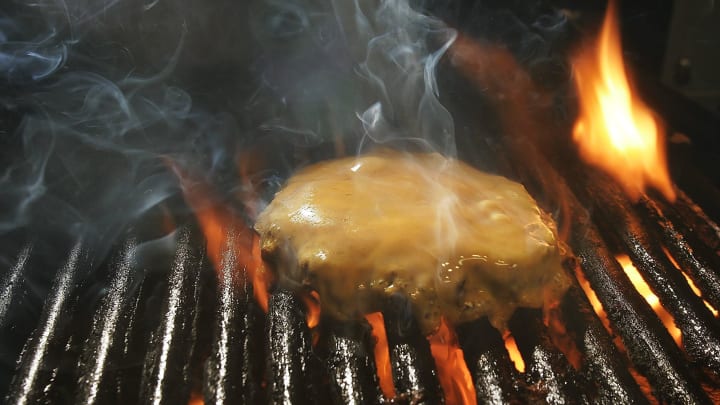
column 495, row 378
column 167, row 369
column 413, row 367
column 606, row 371
column 233, row 371
column 615, row 216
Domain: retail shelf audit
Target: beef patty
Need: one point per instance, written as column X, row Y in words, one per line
column 459, row 243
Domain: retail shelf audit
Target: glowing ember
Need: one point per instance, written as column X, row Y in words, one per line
column 644, row 290
column 453, row 373
column 382, row 353
column 697, row 292
column 600, row 311
column 515, row 356
column 689, row 281
column 594, row 301
column 217, row 224
column 615, row 130
column 196, row 399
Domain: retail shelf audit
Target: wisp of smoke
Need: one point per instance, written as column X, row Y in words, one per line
column 102, row 100
column 327, row 67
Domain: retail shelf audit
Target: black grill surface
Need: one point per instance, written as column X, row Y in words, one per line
column 181, row 330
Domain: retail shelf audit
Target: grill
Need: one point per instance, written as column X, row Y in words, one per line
column 150, row 336
column 160, row 324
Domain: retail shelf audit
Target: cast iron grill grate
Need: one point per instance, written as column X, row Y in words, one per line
column 187, row 332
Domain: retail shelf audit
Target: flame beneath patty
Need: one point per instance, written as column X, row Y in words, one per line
column 382, row 353
column 455, row 379
column 223, row 230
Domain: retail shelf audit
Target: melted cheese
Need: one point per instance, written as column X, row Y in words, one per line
column 458, row 242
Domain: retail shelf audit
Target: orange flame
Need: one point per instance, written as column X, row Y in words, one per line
column 644, row 290
column 196, row 399
column 312, row 307
column 382, row 353
column 515, row 356
column 218, row 223
column 615, row 130
column 455, row 379
column 594, row 301
column 691, row 283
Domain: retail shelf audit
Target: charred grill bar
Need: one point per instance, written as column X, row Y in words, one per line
column 36, row 379
column 291, row 375
column 167, row 371
column 692, row 256
column 550, row 376
column 495, row 378
column 413, row 371
column 349, row 364
column 604, row 368
column 12, row 282
column 700, row 334
column 232, row 375
column 104, row 345
column 650, row 348
column 702, row 231
column 648, row 343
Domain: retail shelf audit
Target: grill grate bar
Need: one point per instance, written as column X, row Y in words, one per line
column 291, row 377
column 167, row 369
column 603, row 365
column 701, row 337
column 10, row 283
column 701, row 234
column 13, row 315
column 350, row 364
column 649, row 345
column 702, row 231
column 94, row 384
column 38, row 365
column 245, row 344
column 124, row 385
column 496, row 380
column 233, row 373
column 691, row 259
column 413, row 367
column 548, row 372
